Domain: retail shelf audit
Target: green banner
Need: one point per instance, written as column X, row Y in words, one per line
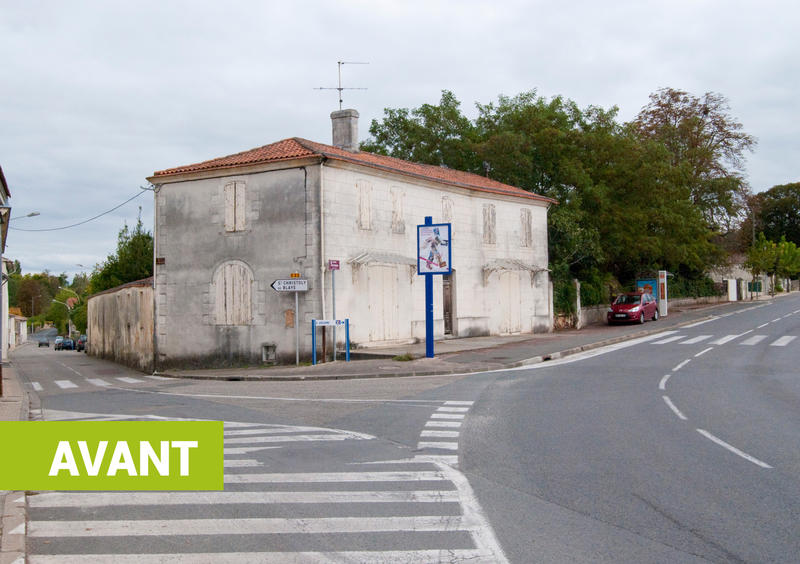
column 111, row 455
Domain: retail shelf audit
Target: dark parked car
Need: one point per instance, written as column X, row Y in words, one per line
column 44, row 343
column 633, row 306
column 80, row 344
column 59, row 342
column 68, row 345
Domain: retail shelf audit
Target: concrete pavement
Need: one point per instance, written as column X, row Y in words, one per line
column 463, row 355
column 13, row 407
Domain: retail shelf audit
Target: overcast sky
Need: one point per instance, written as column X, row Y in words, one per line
column 97, row 95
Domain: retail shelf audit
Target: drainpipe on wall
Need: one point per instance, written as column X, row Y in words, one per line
column 322, row 235
column 156, row 189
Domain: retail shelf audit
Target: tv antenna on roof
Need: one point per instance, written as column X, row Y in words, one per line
column 340, row 88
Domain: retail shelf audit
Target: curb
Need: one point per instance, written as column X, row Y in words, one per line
column 13, row 504
column 13, row 528
column 431, row 372
column 600, row 344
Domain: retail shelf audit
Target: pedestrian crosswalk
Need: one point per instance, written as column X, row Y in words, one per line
column 90, row 383
column 440, row 437
column 746, row 339
column 390, row 511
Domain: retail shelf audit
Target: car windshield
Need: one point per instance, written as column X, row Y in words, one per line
column 628, row 299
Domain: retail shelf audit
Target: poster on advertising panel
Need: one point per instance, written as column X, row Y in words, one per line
column 434, row 249
column 648, row 286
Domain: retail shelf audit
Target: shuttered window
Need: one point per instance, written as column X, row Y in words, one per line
column 489, row 225
column 364, row 189
column 235, row 199
column 233, row 292
column 526, row 228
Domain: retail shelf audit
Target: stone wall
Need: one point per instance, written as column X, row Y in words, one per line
column 120, row 325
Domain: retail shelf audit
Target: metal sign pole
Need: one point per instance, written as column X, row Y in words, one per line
column 333, row 292
column 314, row 342
column 296, row 331
column 429, row 307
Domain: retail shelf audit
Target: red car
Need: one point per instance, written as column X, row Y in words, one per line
column 633, row 306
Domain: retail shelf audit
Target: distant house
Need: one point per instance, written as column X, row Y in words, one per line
column 227, row 228
column 738, row 280
column 17, row 328
column 5, row 216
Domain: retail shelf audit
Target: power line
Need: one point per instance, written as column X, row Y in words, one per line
column 81, row 222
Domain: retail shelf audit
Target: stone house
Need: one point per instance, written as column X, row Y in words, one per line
column 226, row 228
column 5, row 217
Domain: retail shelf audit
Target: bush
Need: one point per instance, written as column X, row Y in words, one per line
column 682, row 287
column 597, row 288
column 563, row 289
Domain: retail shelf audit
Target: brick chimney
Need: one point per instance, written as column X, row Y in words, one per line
column 345, row 130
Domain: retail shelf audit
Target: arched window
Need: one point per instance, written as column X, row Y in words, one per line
column 232, row 289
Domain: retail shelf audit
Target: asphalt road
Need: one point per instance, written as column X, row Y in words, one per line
column 679, row 448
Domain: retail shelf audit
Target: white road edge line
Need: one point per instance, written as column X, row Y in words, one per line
column 703, row 352
column 733, row 449
column 673, row 408
column 681, row 365
column 662, row 385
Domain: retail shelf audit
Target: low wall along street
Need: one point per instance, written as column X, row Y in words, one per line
column 120, row 325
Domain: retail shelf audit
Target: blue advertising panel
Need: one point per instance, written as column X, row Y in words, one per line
column 434, row 249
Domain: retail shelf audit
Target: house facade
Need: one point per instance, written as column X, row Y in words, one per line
column 5, row 217
column 227, row 228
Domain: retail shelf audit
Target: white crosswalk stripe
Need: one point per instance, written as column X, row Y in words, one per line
column 783, row 341
column 128, row 380
column 65, row 384
column 98, row 382
column 669, row 340
column 422, row 501
column 695, row 340
column 754, row 340
column 725, row 339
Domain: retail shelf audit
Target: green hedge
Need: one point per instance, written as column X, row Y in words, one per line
column 680, row 287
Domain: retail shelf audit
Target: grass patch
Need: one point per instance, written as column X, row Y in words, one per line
column 403, row 357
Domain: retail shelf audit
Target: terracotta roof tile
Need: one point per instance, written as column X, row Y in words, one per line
column 296, row 147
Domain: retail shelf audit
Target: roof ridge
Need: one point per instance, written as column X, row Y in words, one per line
column 298, row 147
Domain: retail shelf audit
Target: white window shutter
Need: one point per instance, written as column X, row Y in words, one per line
column 240, row 207
column 230, row 207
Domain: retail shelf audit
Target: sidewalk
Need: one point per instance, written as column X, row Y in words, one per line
column 463, row 355
column 13, row 407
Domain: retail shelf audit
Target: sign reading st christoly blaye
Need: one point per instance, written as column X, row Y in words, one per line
column 290, row 285
column 112, row 455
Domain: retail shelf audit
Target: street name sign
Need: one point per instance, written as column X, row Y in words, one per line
column 290, row 285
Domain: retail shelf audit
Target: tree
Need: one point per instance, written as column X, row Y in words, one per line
column 760, row 257
column 780, row 259
column 34, row 294
column 132, row 261
column 707, row 146
column 437, row 135
column 778, row 212
column 632, row 198
column 787, row 259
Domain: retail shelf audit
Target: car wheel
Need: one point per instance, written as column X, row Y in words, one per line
column 655, row 315
column 641, row 318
